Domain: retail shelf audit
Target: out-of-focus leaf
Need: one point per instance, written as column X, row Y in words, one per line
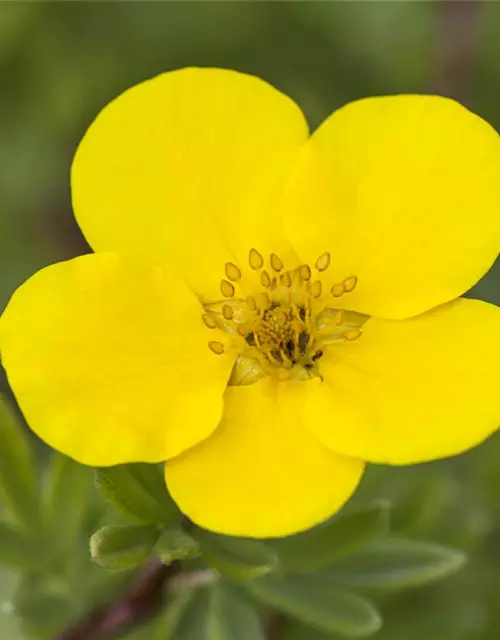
column 123, row 546
column 45, row 606
column 138, row 490
column 396, row 563
column 166, row 625
column 340, row 536
column 218, row 613
column 370, row 33
column 237, row 558
column 17, row 551
column 176, row 544
column 193, row 624
column 319, row 603
column 18, row 484
column 232, row 616
column 296, row 630
column 66, row 498
column 9, row 623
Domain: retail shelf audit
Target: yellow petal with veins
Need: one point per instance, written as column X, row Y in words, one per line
column 186, row 170
column 110, row 363
column 404, row 191
column 262, row 473
column 412, row 390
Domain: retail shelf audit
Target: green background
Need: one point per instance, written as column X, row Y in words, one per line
column 60, row 63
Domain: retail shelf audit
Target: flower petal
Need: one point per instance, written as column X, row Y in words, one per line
column 412, row 390
column 109, row 361
column 186, row 170
column 404, row 191
column 262, row 473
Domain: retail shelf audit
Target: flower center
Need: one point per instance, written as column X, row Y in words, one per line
column 284, row 328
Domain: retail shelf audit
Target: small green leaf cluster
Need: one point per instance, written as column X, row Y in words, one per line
column 48, row 509
column 226, row 587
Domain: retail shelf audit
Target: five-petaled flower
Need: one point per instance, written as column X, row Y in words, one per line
column 266, row 310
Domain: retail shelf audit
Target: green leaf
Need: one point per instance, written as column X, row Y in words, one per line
column 176, row 544
column 123, row 546
column 218, row 613
column 167, row 624
column 319, row 603
column 66, row 498
column 338, row 537
column 10, row 624
column 18, row 551
column 232, row 616
column 44, row 604
column 395, row 563
column 237, row 558
column 138, row 490
column 18, row 482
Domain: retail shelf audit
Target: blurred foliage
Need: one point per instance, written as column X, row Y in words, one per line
column 60, row 63
column 218, row 587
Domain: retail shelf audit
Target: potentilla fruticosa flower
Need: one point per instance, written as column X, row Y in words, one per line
column 266, row 310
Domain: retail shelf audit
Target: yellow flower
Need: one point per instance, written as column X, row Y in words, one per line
column 266, row 310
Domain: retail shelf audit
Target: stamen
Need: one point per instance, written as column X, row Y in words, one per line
column 337, row 290
column 265, row 279
column 241, row 329
column 227, row 312
column 299, row 314
column 209, row 321
column 305, row 272
column 352, row 335
column 276, row 262
column 286, row 360
column 316, row 289
column 323, row 262
column 250, row 339
column 262, row 299
column 232, row 272
column 227, row 289
column 216, row 347
column 255, row 259
column 303, row 341
column 285, row 325
column 350, row 283
column 251, row 303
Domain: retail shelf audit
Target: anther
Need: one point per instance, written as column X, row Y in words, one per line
column 276, row 262
column 209, row 321
column 232, row 272
column 227, row 289
column 287, row 279
column 227, row 312
column 216, row 347
column 255, row 259
column 337, row 290
column 350, row 283
column 323, row 262
column 305, row 272
column 251, row 303
column 250, row 339
column 263, row 300
column 352, row 335
column 339, row 318
column 265, row 279
column 316, row 289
